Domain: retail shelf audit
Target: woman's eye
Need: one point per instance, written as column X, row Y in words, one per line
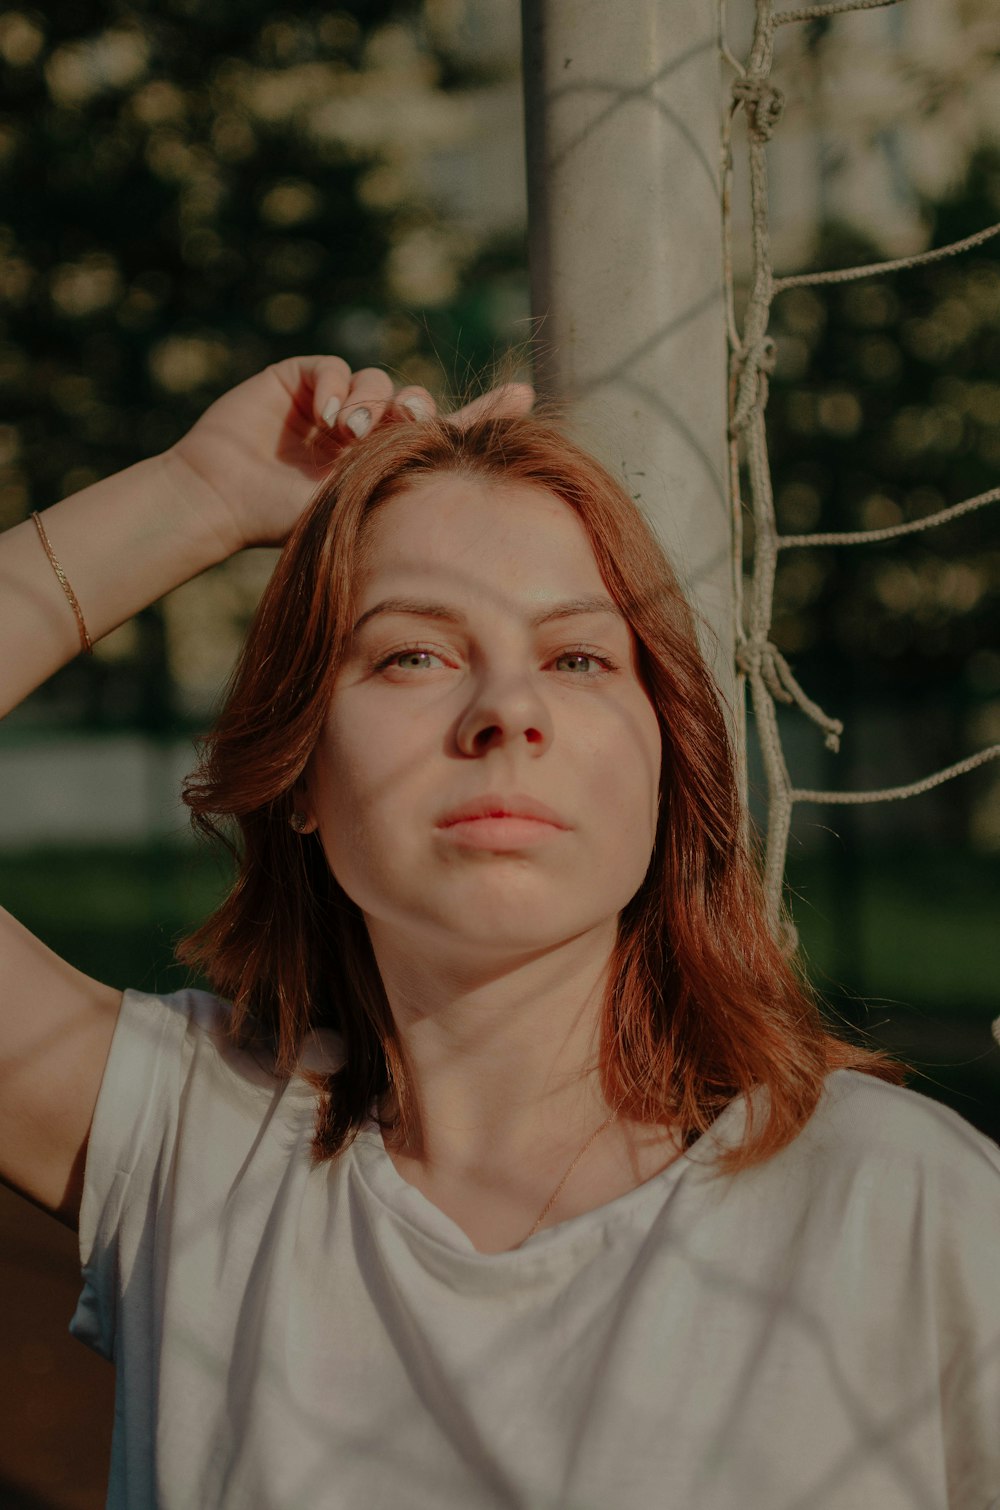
column 398, row 655
column 413, row 652
column 588, row 655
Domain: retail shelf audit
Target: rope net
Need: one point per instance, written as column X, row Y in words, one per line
column 752, row 355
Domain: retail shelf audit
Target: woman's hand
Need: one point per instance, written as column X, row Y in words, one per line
column 255, row 457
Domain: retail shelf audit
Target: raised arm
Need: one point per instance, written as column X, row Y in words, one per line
column 240, row 477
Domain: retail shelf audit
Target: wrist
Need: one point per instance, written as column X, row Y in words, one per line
column 121, row 544
column 196, row 507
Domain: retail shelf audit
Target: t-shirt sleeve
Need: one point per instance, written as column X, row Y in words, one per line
column 967, row 1253
column 931, row 1215
column 131, row 1147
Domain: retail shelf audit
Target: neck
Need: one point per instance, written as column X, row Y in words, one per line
column 502, row 1058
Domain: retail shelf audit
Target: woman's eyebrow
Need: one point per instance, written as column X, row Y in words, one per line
column 595, row 603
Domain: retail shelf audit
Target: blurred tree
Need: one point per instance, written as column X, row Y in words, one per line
column 190, row 191
column 885, row 408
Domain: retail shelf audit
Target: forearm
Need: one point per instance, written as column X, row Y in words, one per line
column 122, row 543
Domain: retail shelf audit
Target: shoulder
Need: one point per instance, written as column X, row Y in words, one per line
column 868, row 1140
column 863, row 1117
column 881, row 1183
column 196, row 1029
column 176, row 1075
column 888, row 1148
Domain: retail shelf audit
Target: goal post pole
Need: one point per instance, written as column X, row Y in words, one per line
column 623, row 140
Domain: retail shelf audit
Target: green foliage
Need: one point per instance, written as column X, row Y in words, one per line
column 173, row 229
column 885, row 407
column 184, row 199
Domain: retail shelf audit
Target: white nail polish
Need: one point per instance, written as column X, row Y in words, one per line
column 418, row 407
column 360, row 422
column 331, row 411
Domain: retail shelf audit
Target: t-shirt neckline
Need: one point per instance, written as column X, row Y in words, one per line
column 410, row 1206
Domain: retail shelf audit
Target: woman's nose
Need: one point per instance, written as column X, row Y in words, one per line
column 505, row 706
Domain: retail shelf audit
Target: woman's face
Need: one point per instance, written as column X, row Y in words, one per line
column 430, row 713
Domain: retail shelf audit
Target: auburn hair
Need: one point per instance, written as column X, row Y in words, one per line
column 702, row 1004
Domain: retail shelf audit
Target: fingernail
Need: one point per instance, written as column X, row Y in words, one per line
column 331, row 411
column 360, row 422
column 418, row 407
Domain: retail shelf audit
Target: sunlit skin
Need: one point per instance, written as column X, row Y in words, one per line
column 494, row 962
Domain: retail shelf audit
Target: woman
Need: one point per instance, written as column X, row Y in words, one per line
column 512, row 1165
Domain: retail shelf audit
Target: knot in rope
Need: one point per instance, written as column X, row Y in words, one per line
column 763, row 103
column 757, row 362
column 748, row 657
column 760, row 657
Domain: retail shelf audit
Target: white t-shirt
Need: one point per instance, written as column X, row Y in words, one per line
column 820, row 1332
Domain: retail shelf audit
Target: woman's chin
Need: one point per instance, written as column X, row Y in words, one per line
column 498, row 937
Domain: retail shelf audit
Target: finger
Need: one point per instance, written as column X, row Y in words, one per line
column 412, row 405
column 318, row 385
column 364, row 404
column 333, row 379
column 506, row 402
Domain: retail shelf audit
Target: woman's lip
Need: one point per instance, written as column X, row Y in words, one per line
column 502, row 805
column 499, row 833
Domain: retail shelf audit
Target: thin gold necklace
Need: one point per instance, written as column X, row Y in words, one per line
column 552, row 1198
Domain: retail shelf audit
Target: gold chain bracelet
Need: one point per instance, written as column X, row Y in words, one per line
column 85, row 639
